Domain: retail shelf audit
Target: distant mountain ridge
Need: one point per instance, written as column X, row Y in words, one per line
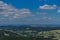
column 31, row 27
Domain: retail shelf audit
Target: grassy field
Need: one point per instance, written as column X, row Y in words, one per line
column 44, row 35
column 54, row 34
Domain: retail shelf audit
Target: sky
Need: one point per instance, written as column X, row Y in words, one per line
column 29, row 11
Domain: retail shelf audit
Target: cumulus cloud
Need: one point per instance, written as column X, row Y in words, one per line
column 58, row 11
column 47, row 18
column 22, row 13
column 41, row 13
column 10, row 12
column 46, row 6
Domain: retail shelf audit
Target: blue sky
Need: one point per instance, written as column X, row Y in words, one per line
column 31, row 4
column 30, row 12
